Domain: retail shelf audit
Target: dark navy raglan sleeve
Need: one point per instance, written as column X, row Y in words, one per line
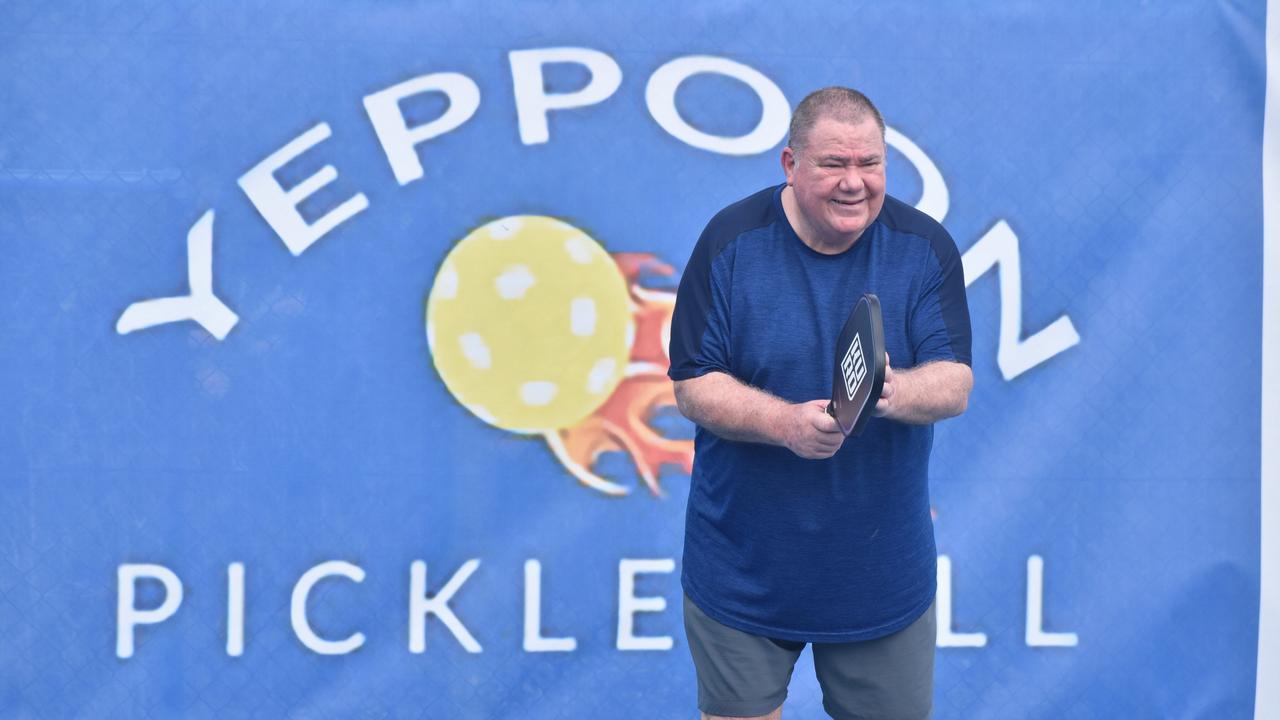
column 940, row 320
column 700, row 324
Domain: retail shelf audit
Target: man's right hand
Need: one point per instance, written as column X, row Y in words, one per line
column 722, row 404
column 812, row 433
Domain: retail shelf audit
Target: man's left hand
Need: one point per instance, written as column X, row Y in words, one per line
column 925, row 394
column 886, row 392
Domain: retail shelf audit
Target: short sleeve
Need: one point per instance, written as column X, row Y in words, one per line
column 940, row 320
column 700, row 323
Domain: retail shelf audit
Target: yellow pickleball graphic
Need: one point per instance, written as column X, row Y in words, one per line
column 529, row 323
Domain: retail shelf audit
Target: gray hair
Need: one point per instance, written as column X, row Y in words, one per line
column 836, row 103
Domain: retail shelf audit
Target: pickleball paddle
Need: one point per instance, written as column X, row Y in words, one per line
column 858, row 376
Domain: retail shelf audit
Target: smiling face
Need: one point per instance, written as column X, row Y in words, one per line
column 836, row 183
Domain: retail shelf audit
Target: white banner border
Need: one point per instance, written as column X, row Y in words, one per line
column 1267, row 689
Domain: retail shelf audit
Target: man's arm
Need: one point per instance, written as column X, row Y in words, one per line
column 925, row 394
column 735, row 411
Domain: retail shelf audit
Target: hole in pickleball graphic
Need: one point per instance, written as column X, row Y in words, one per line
column 529, row 323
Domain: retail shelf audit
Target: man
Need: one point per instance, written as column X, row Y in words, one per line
column 794, row 534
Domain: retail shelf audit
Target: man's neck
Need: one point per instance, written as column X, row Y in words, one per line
column 805, row 233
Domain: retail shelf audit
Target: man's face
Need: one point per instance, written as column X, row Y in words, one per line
column 838, row 180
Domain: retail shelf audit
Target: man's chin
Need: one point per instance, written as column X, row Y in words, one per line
column 846, row 226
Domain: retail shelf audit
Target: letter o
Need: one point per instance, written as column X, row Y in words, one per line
column 934, row 198
column 660, row 96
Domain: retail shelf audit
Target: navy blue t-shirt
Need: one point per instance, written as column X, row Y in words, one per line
column 831, row 550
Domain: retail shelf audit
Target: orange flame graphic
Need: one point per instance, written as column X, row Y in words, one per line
column 621, row 424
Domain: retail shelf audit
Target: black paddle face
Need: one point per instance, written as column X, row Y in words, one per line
column 858, row 375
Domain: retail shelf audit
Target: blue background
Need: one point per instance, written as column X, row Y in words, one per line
column 1120, row 141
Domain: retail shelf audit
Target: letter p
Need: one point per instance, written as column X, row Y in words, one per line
column 533, row 102
column 128, row 615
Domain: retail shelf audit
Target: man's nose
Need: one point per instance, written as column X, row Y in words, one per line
column 851, row 180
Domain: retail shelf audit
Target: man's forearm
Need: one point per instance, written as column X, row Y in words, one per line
column 929, row 393
column 733, row 410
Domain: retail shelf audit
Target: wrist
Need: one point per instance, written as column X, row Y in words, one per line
column 782, row 424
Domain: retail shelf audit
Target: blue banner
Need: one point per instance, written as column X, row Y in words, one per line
column 334, row 346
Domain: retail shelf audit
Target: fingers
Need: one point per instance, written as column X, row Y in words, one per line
column 884, row 405
column 820, row 450
column 824, row 423
column 815, row 412
column 817, row 435
column 820, row 404
column 882, row 408
column 825, row 439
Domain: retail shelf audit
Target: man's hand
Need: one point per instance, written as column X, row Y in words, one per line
column 720, row 403
column 925, row 394
column 886, row 392
column 814, row 434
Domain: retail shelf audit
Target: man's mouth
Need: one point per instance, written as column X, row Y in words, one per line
column 847, row 203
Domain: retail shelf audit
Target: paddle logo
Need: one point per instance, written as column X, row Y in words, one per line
column 854, row 367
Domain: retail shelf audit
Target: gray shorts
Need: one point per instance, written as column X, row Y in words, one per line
column 743, row 675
